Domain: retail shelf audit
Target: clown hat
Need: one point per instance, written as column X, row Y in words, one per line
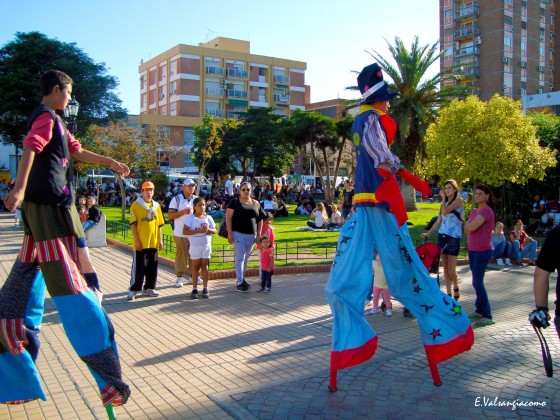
column 371, row 85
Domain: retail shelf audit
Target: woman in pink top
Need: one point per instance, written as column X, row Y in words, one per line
column 479, row 243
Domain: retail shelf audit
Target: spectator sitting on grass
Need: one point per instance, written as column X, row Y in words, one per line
column 321, row 217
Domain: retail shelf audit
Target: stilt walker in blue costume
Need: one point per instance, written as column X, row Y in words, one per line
column 379, row 224
column 54, row 254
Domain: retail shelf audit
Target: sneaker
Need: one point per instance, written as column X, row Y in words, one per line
column 194, row 294
column 242, row 287
column 261, row 289
column 205, row 294
column 388, row 312
column 200, row 281
column 247, row 285
column 179, row 282
column 267, row 290
column 150, row 292
column 501, row 261
column 131, row 296
column 374, row 311
column 508, row 262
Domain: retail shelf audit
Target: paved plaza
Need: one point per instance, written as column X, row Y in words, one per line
column 266, row 356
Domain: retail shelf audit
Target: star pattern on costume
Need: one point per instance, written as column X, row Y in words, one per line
column 345, row 239
column 445, row 301
column 457, row 310
column 435, row 333
column 427, row 308
column 417, row 289
column 414, row 280
column 352, row 224
column 339, row 253
column 406, row 255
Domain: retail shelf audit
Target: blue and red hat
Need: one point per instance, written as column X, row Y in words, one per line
column 371, row 85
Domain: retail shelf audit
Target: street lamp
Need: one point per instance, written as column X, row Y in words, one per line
column 71, row 112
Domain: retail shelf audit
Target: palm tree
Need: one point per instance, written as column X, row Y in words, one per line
column 418, row 101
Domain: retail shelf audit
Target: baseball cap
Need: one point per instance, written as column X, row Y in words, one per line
column 147, row 184
column 188, row 181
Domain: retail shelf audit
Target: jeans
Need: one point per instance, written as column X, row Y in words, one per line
column 478, row 260
column 87, row 225
column 502, row 250
column 242, row 248
column 266, row 279
column 528, row 249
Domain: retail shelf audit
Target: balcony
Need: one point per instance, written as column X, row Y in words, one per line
column 469, row 31
column 281, row 98
column 279, row 78
column 214, row 70
column 233, row 114
column 215, row 91
column 466, row 51
column 242, row 74
column 466, row 12
column 469, row 71
column 215, row 112
column 235, row 93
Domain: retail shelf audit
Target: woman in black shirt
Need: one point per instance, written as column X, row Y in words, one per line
column 244, row 218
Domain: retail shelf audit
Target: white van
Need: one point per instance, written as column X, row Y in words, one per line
column 205, row 185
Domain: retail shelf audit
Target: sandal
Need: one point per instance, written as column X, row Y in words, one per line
column 475, row 315
column 483, row 322
column 456, row 294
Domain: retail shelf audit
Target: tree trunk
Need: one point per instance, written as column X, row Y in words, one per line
column 409, row 195
column 123, row 196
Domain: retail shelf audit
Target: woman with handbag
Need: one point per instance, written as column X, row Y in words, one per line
column 244, row 219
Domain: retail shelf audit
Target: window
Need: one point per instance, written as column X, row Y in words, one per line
column 448, row 13
column 508, row 20
column 508, row 41
column 523, row 45
column 523, row 24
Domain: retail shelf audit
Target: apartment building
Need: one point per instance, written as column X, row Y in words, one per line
column 501, row 46
column 221, row 78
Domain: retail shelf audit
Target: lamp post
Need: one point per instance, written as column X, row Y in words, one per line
column 70, row 112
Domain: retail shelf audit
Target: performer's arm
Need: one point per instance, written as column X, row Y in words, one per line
column 376, row 146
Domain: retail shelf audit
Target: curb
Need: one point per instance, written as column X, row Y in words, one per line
column 230, row 274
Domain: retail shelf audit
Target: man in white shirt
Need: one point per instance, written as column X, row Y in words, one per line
column 229, row 186
column 179, row 208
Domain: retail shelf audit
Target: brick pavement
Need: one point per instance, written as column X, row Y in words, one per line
column 266, row 356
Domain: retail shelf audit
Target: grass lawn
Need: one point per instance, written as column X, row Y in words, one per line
column 293, row 246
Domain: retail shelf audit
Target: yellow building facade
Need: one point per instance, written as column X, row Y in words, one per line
column 221, row 78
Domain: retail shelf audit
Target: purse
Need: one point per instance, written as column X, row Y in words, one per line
column 222, row 229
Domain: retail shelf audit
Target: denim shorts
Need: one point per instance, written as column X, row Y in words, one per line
column 448, row 244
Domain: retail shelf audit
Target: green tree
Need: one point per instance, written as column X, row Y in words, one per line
column 260, row 140
column 208, row 143
column 140, row 149
column 26, row 58
column 318, row 134
column 490, row 142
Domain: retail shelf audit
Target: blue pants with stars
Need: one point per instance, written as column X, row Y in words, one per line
column 440, row 318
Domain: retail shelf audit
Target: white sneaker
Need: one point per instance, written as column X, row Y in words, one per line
column 388, row 312
column 374, row 311
column 131, row 296
column 200, row 281
column 501, row 261
column 179, row 282
column 508, row 262
column 150, row 292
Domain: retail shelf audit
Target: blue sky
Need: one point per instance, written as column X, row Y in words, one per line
column 332, row 37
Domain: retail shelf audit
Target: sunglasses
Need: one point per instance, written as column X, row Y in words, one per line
column 245, row 189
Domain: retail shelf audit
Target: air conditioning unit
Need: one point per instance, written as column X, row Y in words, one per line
column 171, row 72
column 478, row 40
column 505, row 86
column 551, row 70
column 522, row 91
column 505, row 60
column 161, row 96
column 523, row 64
column 540, row 69
column 540, row 91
